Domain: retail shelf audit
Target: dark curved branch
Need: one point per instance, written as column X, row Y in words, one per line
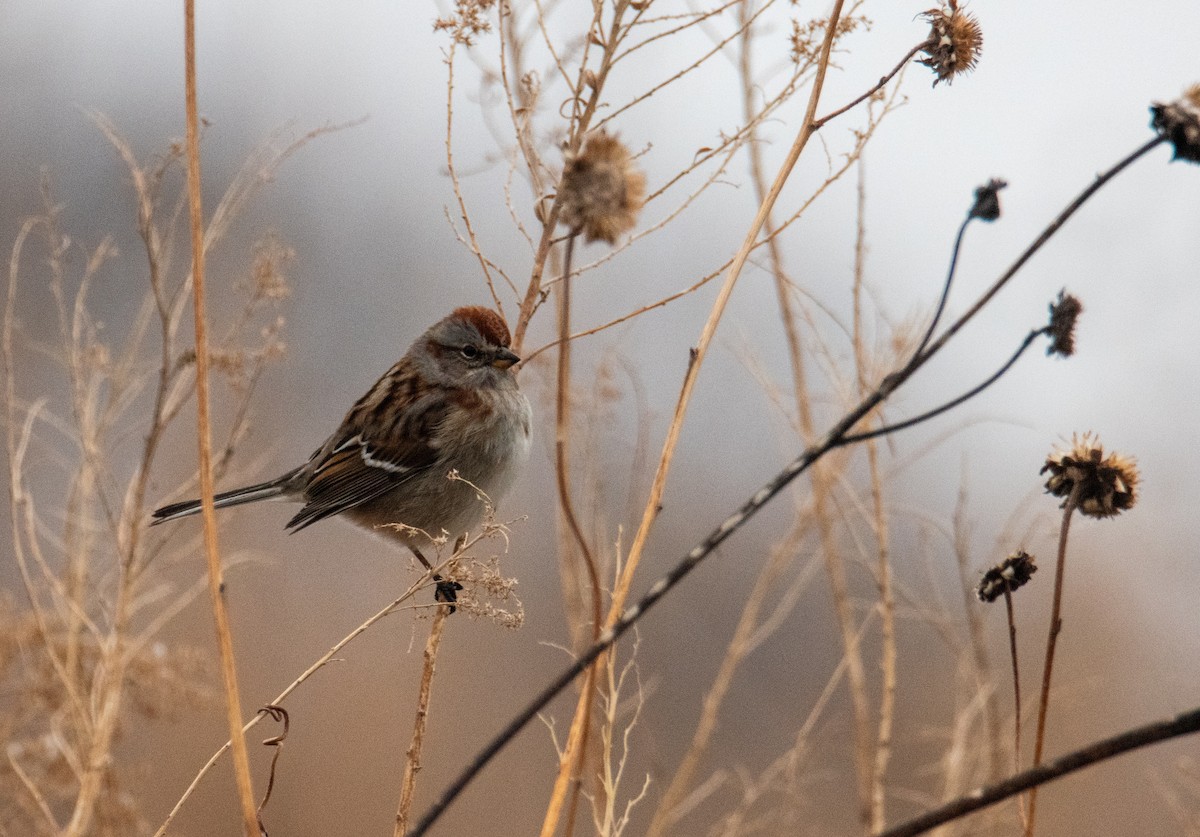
column 1185, row 724
column 941, row 306
column 879, row 85
column 949, row 405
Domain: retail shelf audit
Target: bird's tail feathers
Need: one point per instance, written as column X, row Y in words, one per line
column 248, row 494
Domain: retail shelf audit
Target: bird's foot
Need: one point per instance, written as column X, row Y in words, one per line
column 446, row 592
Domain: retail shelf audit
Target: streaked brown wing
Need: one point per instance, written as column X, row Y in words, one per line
column 359, row 469
column 343, row 482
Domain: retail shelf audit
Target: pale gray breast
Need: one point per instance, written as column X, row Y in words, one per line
column 507, row 444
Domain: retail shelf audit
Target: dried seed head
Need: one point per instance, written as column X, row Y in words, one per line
column 1179, row 122
column 467, row 21
column 601, row 191
column 1014, row 571
column 1107, row 484
column 987, row 200
column 954, row 43
column 1063, row 314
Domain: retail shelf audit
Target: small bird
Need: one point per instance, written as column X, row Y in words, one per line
column 450, row 404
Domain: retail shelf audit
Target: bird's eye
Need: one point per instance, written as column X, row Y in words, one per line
column 469, row 352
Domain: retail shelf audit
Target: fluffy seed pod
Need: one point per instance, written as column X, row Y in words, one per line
column 601, row 191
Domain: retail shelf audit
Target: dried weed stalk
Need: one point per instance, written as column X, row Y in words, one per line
column 86, row 411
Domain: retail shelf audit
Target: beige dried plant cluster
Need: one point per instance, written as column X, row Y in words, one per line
column 82, row 663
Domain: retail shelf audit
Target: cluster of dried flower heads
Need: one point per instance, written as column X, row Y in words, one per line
column 467, row 21
column 1104, row 486
column 954, row 43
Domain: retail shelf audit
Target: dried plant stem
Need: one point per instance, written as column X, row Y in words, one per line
column 980, row 660
column 820, row 123
column 873, row 791
column 412, row 761
column 742, row 643
column 1016, row 671
column 1053, row 227
column 39, row 799
column 884, row 430
column 473, row 242
column 20, row 507
column 654, row 501
column 1051, row 645
column 887, row 651
column 574, row 752
column 233, row 704
column 94, row 713
column 320, row 663
column 1184, row 724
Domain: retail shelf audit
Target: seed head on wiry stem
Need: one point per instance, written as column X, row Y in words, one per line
column 1107, row 484
column 1063, row 313
column 954, row 43
column 1013, row 572
column 602, row 192
column 987, row 200
column 1179, row 122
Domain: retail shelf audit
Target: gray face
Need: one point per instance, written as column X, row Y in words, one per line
column 464, row 357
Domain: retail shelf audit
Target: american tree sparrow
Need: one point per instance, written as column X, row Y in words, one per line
column 450, row 404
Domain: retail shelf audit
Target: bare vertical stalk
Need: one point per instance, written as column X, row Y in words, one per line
column 822, row 478
column 1012, row 650
column 876, row 796
column 653, row 503
column 412, row 761
column 979, row 658
column 658, row 487
column 887, row 651
column 1051, row 644
column 233, row 704
column 574, row 753
column 742, row 643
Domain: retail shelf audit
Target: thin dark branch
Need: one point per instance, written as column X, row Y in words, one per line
column 820, row 123
column 1040, row 241
column 941, row 307
column 1185, row 724
column 835, row 438
column 949, row 405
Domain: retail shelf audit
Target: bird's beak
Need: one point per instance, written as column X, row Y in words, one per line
column 505, row 359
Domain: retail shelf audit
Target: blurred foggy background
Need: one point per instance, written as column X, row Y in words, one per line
column 1061, row 92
